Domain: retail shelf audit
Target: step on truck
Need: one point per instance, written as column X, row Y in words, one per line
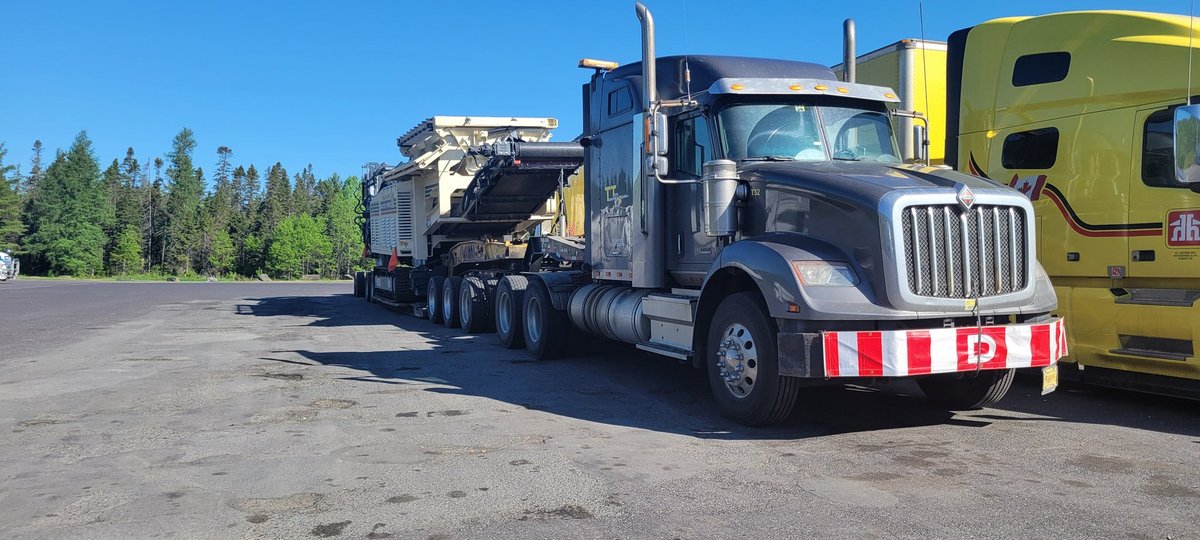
column 753, row 218
column 1078, row 112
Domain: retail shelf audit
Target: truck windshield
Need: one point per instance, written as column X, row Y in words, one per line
column 798, row 132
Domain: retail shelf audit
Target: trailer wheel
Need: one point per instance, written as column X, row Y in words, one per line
column 743, row 364
column 545, row 328
column 510, row 299
column 433, row 299
column 359, row 285
column 965, row 391
column 473, row 312
column 450, row 302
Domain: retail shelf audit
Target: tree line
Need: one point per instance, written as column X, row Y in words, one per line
column 156, row 216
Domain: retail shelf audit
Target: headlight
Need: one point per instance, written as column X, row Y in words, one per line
column 822, row 273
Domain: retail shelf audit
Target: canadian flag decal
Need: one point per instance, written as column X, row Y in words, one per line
column 1030, row 186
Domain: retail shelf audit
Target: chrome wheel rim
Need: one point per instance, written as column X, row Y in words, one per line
column 447, row 300
column 533, row 319
column 737, row 360
column 464, row 303
column 504, row 304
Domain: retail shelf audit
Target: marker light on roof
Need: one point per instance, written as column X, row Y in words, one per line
column 843, row 90
column 890, row 95
column 737, row 86
column 795, row 87
column 821, row 87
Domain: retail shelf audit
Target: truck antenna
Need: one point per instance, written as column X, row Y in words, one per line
column 1191, row 36
column 924, row 61
column 687, row 71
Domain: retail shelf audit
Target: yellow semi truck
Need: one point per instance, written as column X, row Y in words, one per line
column 1076, row 111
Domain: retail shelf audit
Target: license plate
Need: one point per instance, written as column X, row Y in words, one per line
column 1049, row 378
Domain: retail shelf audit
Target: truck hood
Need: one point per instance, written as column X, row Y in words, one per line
column 859, row 184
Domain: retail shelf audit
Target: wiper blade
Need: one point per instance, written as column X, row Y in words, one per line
column 847, row 158
column 769, row 158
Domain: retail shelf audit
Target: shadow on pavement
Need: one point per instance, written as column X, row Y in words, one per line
column 617, row 384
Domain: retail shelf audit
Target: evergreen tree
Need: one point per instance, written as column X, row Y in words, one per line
column 241, row 223
column 156, row 218
column 304, row 194
column 221, row 207
column 128, row 204
column 184, row 190
column 126, row 255
column 11, row 224
column 68, row 232
column 276, row 203
column 327, row 190
column 35, row 172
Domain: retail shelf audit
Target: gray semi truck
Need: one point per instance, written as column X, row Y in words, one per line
column 752, row 218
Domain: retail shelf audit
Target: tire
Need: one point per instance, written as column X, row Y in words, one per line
column 450, row 302
column 369, row 290
column 742, row 360
column 360, row 284
column 475, row 314
column 961, row 392
column 433, row 299
column 545, row 328
column 510, row 307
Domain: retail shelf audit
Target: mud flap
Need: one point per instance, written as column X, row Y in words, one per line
column 800, row 355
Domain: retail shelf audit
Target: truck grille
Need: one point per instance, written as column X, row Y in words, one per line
column 955, row 253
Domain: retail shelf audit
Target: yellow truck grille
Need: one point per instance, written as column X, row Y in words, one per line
column 952, row 252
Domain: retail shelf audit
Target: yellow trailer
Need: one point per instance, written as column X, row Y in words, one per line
column 917, row 70
column 1075, row 110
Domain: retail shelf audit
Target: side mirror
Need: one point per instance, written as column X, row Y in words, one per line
column 921, row 143
column 1187, row 144
column 656, row 134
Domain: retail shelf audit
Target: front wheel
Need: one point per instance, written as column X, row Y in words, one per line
column 743, row 364
column 966, row 391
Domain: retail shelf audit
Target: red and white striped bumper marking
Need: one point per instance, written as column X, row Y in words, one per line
column 902, row 353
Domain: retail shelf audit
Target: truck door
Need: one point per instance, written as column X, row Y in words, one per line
column 1165, row 240
column 1157, row 322
column 690, row 250
column 611, row 183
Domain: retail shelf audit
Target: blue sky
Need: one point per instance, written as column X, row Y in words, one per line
column 334, row 83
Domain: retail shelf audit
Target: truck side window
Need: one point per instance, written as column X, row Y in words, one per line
column 692, row 146
column 1034, row 149
column 1158, row 156
column 619, row 101
column 1041, row 68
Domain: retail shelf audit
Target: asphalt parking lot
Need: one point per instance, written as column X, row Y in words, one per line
column 293, row 410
